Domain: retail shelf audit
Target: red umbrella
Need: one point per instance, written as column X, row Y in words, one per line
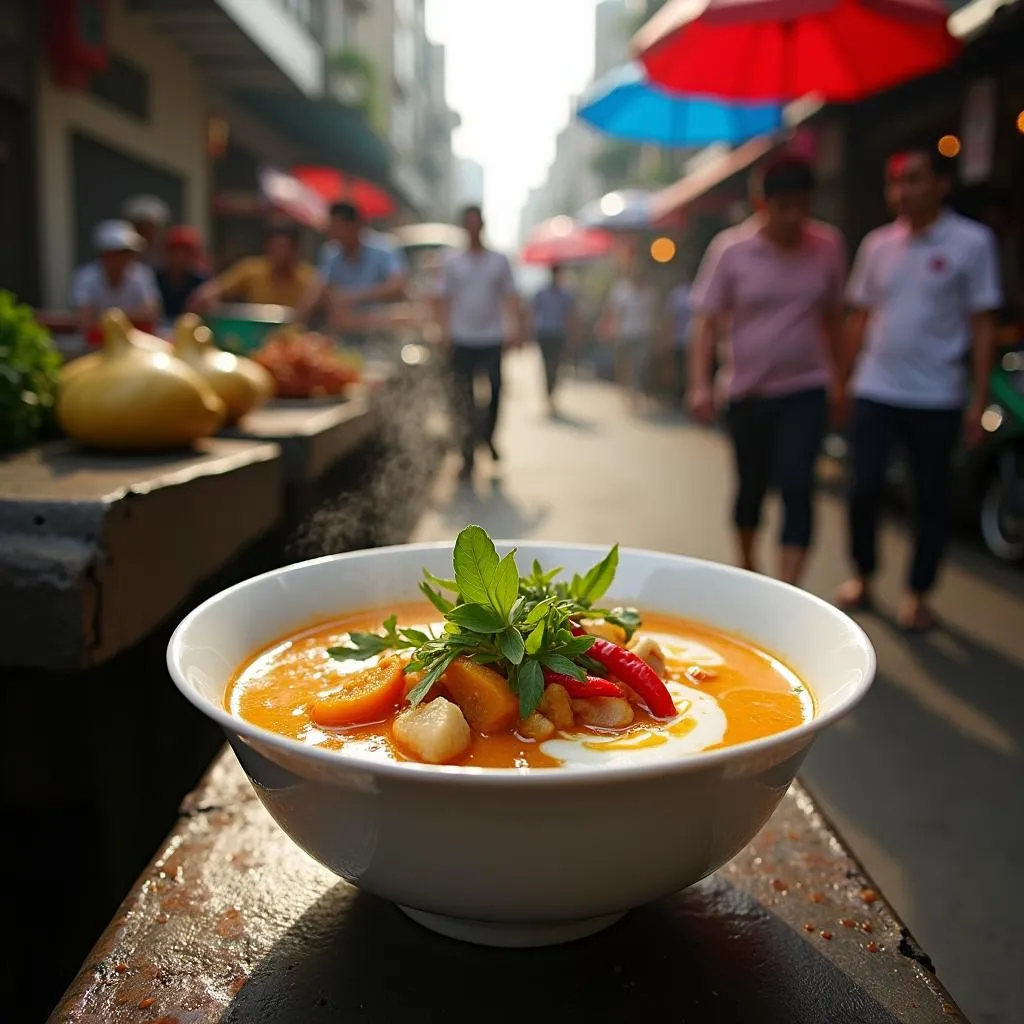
column 559, row 240
column 335, row 187
column 784, row 49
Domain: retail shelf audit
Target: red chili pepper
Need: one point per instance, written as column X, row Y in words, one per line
column 592, row 686
column 634, row 672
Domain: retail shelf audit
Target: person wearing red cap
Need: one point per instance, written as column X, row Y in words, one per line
column 181, row 274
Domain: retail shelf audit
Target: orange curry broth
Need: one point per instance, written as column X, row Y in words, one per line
column 274, row 688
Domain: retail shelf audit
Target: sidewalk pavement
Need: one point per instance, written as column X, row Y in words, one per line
column 924, row 777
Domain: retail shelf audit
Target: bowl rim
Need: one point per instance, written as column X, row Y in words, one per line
column 565, row 775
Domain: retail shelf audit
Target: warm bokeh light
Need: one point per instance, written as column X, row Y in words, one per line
column 561, row 225
column 612, row 204
column 992, row 419
column 1020, row 122
column 663, row 250
column 949, row 146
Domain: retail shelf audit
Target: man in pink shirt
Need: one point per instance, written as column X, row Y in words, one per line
column 771, row 290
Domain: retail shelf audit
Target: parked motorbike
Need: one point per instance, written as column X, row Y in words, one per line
column 1000, row 461
column 988, row 480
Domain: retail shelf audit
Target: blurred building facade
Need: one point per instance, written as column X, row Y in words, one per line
column 611, row 35
column 411, row 106
column 470, row 183
column 190, row 102
column 572, row 179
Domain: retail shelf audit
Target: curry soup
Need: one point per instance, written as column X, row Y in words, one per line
column 723, row 691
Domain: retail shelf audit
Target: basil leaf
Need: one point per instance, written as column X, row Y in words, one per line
column 450, row 585
column 442, row 604
column 478, row 618
column 576, row 645
column 596, row 582
column 557, row 663
column 539, row 611
column 504, row 587
column 434, row 673
column 360, row 647
column 475, row 563
column 531, row 687
column 535, row 639
column 628, row 618
column 415, row 637
column 510, row 641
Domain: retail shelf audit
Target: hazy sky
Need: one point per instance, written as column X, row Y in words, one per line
column 512, row 67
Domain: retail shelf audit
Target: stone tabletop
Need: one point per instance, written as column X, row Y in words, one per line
column 96, row 549
column 231, row 922
column 313, row 436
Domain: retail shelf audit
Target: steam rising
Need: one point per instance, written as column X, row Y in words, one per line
column 384, row 490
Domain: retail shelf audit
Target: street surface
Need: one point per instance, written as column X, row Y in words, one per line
column 924, row 778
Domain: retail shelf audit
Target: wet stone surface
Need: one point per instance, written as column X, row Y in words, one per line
column 231, row 922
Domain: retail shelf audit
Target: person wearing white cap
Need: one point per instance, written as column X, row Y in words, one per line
column 149, row 215
column 115, row 278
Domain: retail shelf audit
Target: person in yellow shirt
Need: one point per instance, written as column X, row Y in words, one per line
column 279, row 278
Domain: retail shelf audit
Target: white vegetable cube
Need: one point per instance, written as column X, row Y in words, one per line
column 603, row 712
column 435, row 733
column 650, row 651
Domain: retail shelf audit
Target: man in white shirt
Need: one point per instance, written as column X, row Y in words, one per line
column 923, row 290
column 116, row 279
column 479, row 314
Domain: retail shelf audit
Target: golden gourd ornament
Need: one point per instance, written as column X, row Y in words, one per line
column 140, row 338
column 132, row 397
column 240, row 383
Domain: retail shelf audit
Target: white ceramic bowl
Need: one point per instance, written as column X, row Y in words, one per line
column 505, row 857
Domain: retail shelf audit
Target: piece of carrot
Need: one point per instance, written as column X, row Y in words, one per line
column 364, row 697
column 483, row 695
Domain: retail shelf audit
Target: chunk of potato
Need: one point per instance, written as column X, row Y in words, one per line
column 483, row 694
column 608, row 630
column 603, row 712
column 435, row 733
column 650, row 651
column 556, row 706
column 537, row 727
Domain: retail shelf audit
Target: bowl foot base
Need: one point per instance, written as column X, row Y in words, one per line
column 511, row 935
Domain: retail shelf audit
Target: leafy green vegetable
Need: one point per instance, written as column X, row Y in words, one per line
column 475, row 564
column 520, row 625
column 29, row 376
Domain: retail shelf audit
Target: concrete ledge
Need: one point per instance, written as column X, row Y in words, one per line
column 95, row 550
column 232, row 922
column 312, row 439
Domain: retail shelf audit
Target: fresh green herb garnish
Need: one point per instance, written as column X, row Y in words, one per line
column 581, row 593
column 494, row 616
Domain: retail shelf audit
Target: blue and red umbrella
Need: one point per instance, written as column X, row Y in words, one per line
column 627, row 105
column 781, row 50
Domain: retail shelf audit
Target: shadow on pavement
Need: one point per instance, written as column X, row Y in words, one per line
column 487, row 504
column 710, row 953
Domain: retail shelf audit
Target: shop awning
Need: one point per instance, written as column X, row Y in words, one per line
column 693, row 186
column 331, row 134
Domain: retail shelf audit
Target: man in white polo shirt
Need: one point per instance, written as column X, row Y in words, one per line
column 480, row 314
column 923, row 292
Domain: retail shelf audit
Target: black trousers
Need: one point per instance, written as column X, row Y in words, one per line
column 929, row 437
column 776, row 441
column 471, row 424
column 552, row 350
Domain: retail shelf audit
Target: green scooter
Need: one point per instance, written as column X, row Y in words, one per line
column 999, row 461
